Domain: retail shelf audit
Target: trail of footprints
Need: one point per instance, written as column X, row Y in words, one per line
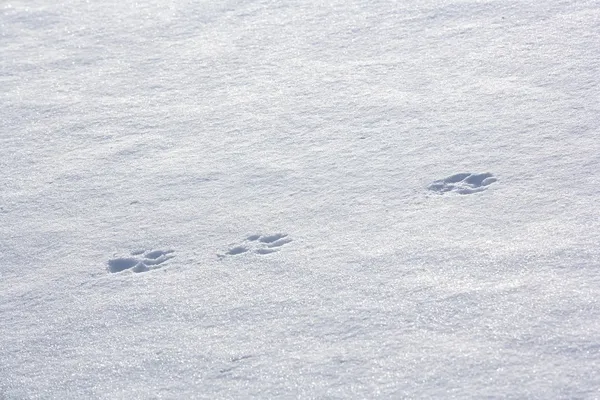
column 259, row 244
column 147, row 260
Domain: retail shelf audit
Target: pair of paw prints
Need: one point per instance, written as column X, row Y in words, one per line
column 259, row 244
column 147, row 260
column 140, row 261
column 463, row 183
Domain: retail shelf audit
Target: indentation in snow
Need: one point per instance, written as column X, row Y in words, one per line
column 463, row 183
column 272, row 238
column 258, row 244
column 140, row 261
column 237, row 250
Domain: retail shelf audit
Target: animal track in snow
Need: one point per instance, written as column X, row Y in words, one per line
column 463, row 183
column 140, row 261
column 259, row 244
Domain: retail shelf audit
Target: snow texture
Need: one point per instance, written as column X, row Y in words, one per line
column 300, row 199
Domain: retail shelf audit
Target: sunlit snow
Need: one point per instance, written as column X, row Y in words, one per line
column 300, row 199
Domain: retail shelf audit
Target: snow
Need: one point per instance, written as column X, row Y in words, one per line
column 299, row 199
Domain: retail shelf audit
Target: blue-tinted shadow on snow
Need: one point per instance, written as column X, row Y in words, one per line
column 463, row 183
column 258, row 244
column 140, row 261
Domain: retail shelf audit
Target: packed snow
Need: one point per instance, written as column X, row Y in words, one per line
column 300, row 199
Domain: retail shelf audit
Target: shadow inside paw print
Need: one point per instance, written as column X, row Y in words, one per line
column 259, row 244
column 140, row 261
column 463, row 183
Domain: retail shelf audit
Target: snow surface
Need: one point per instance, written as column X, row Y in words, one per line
column 300, row 199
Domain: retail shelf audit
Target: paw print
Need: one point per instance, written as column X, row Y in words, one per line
column 463, row 183
column 140, row 261
column 259, row 244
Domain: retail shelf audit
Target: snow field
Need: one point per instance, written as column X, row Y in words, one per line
column 257, row 199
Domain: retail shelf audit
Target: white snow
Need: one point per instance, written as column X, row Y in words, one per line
column 299, row 199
